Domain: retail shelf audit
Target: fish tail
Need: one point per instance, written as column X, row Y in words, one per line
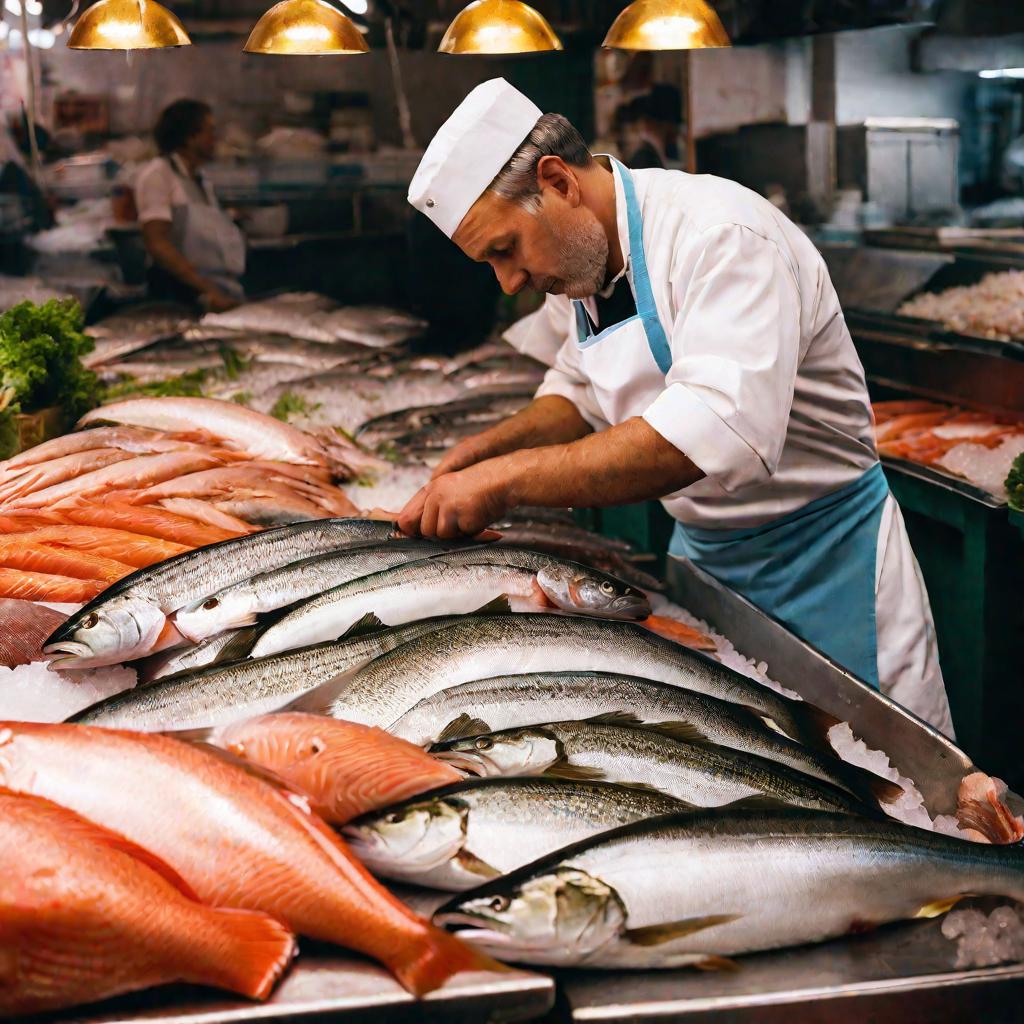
column 810, row 725
column 439, row 958
column 243, row 951
column 980, row 808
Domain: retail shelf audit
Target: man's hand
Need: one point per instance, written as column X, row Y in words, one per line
column 457, row 504
column 217, row 301
column 467, row 452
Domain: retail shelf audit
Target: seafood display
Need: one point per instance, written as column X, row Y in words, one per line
column 300, row 704
column 975, row 446
column 992, row 308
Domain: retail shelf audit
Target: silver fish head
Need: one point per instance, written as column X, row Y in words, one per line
column 230, row 609
column 514, row 752
column 585, row 591
column 108, row 633
column 413, row 838
column 560, row 916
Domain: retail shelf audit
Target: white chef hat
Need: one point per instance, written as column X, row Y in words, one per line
column 469, row 150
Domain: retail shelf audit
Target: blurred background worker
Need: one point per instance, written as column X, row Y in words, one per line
column 197, row 252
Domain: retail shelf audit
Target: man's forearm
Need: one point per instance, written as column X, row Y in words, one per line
column 545, row 421
column 166, row 256
column 628, row 463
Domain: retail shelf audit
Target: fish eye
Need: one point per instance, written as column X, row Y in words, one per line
column 500, row 903
column 607, row 588
column 90, row 620
column 393, row 818
column 315, row 746
column 210, row 604
column 484, row 743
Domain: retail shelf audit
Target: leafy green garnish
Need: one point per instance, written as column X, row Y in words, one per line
column 242, row 397
column 1015, row 483
column 234, row 364
column 291, row 404
column 185, row 385
column 41, row 349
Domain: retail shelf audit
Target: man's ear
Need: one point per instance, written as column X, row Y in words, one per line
column 553, row 172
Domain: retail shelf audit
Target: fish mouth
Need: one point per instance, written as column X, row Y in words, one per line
column 461, row 762
column 68, row 654
column 630, row 608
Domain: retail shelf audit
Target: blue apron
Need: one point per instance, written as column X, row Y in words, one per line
column 814, row 569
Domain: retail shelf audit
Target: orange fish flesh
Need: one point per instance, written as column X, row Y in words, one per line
column 86, row 914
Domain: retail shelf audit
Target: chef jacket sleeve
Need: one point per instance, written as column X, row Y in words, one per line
column 540, row 334
column 735, row 352
column 153, row 192
column 567, row 379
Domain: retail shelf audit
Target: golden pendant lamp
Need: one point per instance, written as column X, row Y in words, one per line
column 499, row 26
column 305, row 27
column 127, row 25
column 667, row 25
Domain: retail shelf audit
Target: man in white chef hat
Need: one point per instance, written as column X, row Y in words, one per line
column 719, row 376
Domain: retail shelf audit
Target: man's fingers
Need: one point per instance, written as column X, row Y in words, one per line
column 448, row 524
column 409, row 517
column 428, row 520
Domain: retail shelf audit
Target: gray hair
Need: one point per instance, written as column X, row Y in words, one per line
column 552, row 135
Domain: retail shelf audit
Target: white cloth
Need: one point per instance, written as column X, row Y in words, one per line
column 159, row 187
column 469, row 150
column 765, row 394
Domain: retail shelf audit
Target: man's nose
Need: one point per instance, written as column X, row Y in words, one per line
column 512, row 281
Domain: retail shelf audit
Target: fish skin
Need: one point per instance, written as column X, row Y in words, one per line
column 268, row 509
column 457, row 582
column 241, row 603
column 86, row 915
column 69, row 467
column 831, row 875
column 24, row 625
column 248, row 846
column 261, row 437
column 133, row 549
column 188, row 659
column 488, row 646
column 220, row 695
column 464, row 834
column 345, row 769
column 149, row 521
column 509, row 702
column 134, row 472
column 701, row 774
column 129, row 619
column 18, row 584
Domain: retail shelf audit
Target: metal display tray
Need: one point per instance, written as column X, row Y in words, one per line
column 325, row 985
column 904, row 972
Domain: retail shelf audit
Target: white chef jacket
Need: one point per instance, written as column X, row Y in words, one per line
column 158, row 189
column 766, row 393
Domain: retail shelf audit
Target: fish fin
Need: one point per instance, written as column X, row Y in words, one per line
column 624, row 719
column 681, row 732
column 716, row 963
column 980, row 807
column 475, row 866
column 884, row 791
column 427, row 964
column 202, row 736
column 262, row 948
column 564, row 769
column 369, row 623
column 939, row 907
column 499, row 606
column 657, row 934
column 257, row 771
column 679, row 633
column 239, row 646
column 813, row 724
column 463, row 726
column 758, row 802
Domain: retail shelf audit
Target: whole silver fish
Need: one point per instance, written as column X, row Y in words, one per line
column 693, row 889
column 510, row 702
column 392, row 426
column 700, row 774
column 457, row 837
column 223, row 694
column 488, row 646
column 456, row 583
column 240, row 604
column 130, row 619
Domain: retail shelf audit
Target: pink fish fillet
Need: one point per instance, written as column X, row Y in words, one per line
column 24, row 625
column 56, row 471
column 142, row 471
column 204, row 512
column 260, row 436
column 221, row 480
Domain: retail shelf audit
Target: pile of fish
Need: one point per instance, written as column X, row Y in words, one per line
column 497, row 722
column 147, row 479
column 992, row 308
column 975, row 446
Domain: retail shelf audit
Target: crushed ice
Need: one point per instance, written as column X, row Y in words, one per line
column 983, row 940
